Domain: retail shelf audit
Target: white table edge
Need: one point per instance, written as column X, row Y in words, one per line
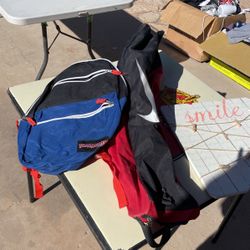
column 22, row 20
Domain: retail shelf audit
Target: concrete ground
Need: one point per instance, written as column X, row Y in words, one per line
column 54, row 222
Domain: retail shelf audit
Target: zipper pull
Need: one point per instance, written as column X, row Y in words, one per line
column 116, row 72
column 100, row 100
column 30, row 121
column 104, row 102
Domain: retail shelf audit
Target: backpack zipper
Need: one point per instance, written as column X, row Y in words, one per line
column 115, row 71
column 88, row 77
column 104, row 105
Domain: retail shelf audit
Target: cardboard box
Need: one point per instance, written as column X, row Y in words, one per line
column 232, row 60
column 188, row 27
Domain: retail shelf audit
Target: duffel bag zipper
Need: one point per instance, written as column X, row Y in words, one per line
column 104, row 105
column 88, row 77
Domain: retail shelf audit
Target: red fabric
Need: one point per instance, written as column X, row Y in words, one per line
column 119, row 156
column 100, row 100
column 173, row 216
column 17, row 124
column 116, row 72
column 116, row 183
column 37, row 184
column 31, row 121
column 122, row 164
column 122, row 200
column 155, row 80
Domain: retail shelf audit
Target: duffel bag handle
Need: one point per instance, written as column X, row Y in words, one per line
column 149, row 236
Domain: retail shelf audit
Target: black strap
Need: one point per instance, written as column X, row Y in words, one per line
column 150, row 237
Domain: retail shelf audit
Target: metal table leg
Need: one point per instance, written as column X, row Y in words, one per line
column 45, row 51
column 226, row 218
column 30, row 188
column 89, row 35
column 89, row 38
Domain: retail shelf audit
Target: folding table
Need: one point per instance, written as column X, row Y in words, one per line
column 29, row 12
column 91, row 187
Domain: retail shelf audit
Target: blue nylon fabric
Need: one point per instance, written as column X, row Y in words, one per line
column 51, row 148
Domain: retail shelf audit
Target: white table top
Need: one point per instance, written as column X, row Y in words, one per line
column 23, row 12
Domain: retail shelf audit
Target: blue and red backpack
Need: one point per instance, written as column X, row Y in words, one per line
column 77, row 113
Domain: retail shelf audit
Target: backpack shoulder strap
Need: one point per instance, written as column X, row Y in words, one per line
column 150, row 236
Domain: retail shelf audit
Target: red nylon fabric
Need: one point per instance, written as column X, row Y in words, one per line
column 171, row 140
column 37, row 184
column 122, row 164
column 122, row 200
column 121, row 196
column 120, row 159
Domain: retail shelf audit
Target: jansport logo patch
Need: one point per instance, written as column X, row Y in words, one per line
column 90, row 145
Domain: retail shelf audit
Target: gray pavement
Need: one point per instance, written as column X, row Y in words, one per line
column 54, row 222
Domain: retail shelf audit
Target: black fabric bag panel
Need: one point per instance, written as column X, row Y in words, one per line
column 153, row 158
